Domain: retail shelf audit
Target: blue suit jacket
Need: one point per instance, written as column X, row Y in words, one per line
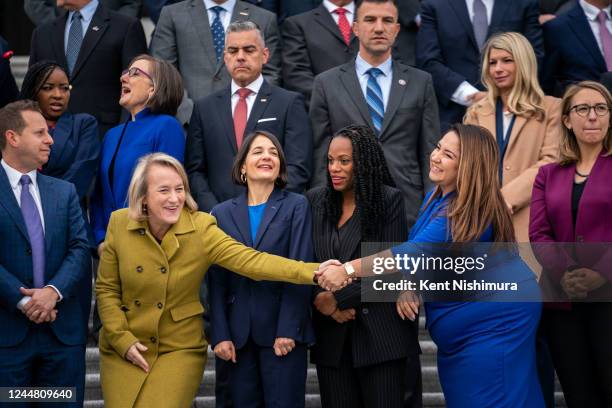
column 149, row 133
column 211, row 142
column 572, row 54
column 66, row 261
column 239, row 306
column 447, row 48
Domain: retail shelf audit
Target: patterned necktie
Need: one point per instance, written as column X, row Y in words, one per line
column 480, row 23
column 606, row 39
column 75, row 39
column 240, row 115
column 31, row 216
column 343, row 24
column 374, row 98
column 218, row 32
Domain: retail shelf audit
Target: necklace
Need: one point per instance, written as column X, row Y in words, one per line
column 582, row 175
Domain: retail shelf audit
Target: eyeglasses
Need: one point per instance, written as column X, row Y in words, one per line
column 135, row 72
column 601, row 109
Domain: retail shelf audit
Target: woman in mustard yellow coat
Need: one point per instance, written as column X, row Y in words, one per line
column 156, row 252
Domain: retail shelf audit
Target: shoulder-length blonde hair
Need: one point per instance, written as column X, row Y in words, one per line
column 478, row 202
column 569, row 149
column 139, row 184
column 526, row 98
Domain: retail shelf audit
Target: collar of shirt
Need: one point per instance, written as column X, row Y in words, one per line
column 331, row 7
column 228, row 6
column 592, row 12
column 253, row 86
column 14, row 176
column 362, row 66
column 87, row 13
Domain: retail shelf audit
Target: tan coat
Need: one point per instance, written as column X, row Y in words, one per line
column 532, row 144
column 149, row 292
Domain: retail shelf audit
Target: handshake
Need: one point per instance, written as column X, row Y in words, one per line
column 332, row 275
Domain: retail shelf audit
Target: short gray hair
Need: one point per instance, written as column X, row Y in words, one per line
column 242, row 26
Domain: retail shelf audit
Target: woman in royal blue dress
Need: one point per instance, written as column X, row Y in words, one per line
column 486, row 349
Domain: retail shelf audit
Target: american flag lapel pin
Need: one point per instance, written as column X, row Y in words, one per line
column 263, row 100
column 95, row 28
column 402, row 82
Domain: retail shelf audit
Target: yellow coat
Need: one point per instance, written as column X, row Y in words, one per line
column 532, row 144
column 149, row 292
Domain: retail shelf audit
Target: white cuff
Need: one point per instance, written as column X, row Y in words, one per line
column 462, row 92
column 56, row 291
column 24, row 301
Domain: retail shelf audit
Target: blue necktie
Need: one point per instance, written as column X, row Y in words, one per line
column 217, row 32
column 75, row 38
column 374, row 98
column 31, row 216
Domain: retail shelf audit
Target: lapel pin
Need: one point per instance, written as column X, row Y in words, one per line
column 402, row 82
column 95, row 28
column 244, row 13
column 263, row 100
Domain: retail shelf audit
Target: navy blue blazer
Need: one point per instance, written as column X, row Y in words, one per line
column 211, row 142
column 572, row 54
column 447, row 48
column 241, row 307
column 66, row 261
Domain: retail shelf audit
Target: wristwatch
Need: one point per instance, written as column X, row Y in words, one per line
column 348, row 267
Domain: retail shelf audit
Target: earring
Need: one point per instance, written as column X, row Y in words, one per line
column 145, row 210
column 243, row 177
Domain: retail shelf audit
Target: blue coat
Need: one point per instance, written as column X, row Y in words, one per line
column 241, row 307
column 148, row 133
column 572, row 54
column 447, row 48
column 66, row 258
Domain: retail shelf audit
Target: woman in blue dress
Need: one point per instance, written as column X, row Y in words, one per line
column 486, row 349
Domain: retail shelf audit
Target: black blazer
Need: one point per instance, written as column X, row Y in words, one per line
column 211, row 142
column 378, row 334
column 112, row 40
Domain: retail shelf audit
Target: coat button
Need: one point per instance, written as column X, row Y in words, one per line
column 162, row 269
column 29, row 251
column 141, row 231
column 137, row 302
column 139, row 268
column 160, row 305
column 153, row 339
column 507, row 167
column 365, row 311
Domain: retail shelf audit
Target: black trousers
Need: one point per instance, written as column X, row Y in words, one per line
column 580, row 343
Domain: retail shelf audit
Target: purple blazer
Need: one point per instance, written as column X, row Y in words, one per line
column 551, row 218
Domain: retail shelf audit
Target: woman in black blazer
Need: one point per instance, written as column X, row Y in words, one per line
column 362, row 349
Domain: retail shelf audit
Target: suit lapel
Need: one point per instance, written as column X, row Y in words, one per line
column 579, row 24
column 519, row 123
column 275, row 201
column 240, row 215
column 322, row 16
column 460, row 9
column 498, row 15
column 201, row 24
column 348, row 77
column 399, row 83
column 63, row 130
column 226, row 119
column 49, row 207
column 262, row 101
column 59, row 27
column 97, row 27
column 10, row 204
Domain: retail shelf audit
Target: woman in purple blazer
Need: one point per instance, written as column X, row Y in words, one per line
column 572, row 203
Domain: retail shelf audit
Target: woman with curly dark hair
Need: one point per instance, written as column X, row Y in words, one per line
column 359, row 347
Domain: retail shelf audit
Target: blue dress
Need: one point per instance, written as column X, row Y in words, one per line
column 486, row 350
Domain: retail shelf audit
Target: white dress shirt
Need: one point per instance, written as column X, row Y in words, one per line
column 466, row 89
column 225, row 16
column 384, row 80
column 591, row 13
column 350, row 11
column 250, row 100
column 87, row 14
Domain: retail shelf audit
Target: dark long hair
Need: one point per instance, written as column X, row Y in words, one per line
column 36, row 77
column 370, row 175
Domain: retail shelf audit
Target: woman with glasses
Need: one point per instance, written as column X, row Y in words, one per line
column 572, row 203
column 151, row 91
column 525, row 123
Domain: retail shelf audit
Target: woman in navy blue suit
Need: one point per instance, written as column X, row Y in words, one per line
column 151, row 91
column 263, row 328
column 486, row 349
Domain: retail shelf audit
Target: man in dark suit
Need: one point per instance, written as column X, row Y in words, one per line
column 316, row 41
column 286, row 8
column 43, row 262
column 577, row 49
column 94, row 45
column 45, row 11
column 395, row 100
column 450, row 39
column 221, row 121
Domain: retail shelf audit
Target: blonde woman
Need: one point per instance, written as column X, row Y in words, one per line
column 156, row 252
column 525, row 122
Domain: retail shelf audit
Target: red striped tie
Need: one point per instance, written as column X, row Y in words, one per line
column 343, row 24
